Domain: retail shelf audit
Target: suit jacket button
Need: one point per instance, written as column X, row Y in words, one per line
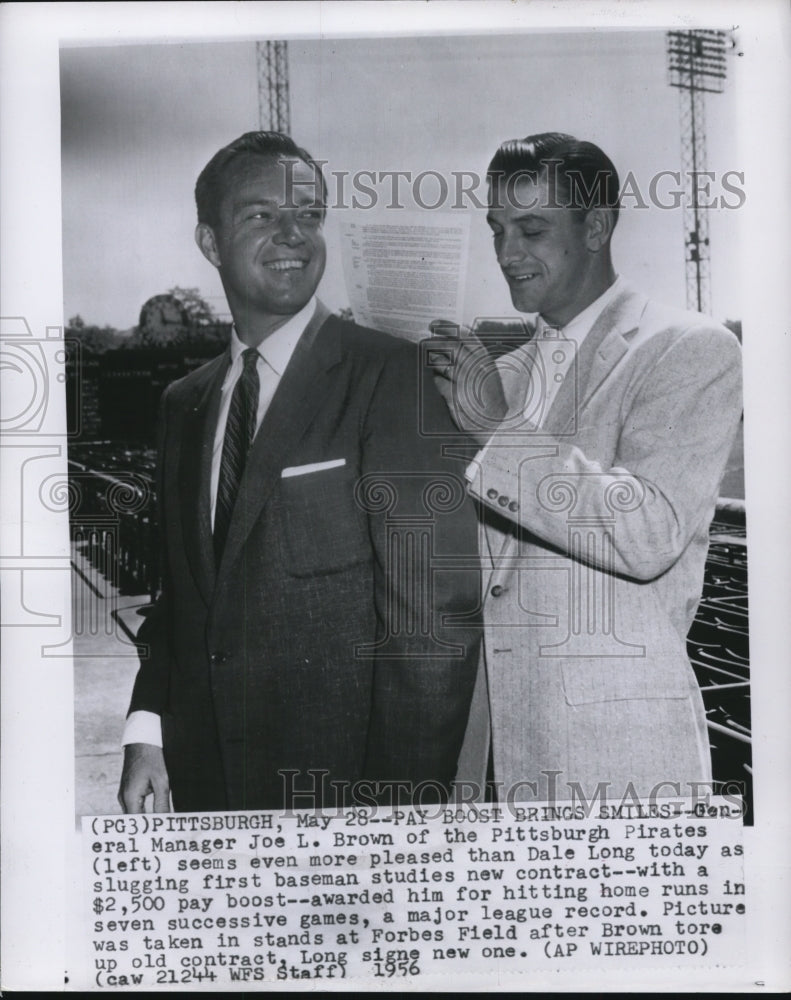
column 217, row 658
column 491, row 494
column 513, row 505
column 496, row 590
column 503, row 501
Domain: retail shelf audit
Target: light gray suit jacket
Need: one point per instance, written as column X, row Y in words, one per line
column 594, row 542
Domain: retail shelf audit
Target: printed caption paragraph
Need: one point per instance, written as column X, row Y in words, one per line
column 209, row 900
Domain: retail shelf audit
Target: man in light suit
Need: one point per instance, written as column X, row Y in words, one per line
column 603, row 443
column 306, row 651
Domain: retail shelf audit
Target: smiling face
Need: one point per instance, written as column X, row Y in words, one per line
column 268, row 243
column 555, row 259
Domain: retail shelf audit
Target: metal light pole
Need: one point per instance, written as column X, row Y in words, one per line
column 273, row 103
column 696, row 66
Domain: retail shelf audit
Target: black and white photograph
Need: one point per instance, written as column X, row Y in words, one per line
column 263, row 641
column 400, row 454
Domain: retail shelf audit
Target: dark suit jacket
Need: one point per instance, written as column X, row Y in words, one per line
column 256, row 665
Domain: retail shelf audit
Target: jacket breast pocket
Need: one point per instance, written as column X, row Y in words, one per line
column 323, row 529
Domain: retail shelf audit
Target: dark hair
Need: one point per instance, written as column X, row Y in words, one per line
column 584, row 176
column 275, row 145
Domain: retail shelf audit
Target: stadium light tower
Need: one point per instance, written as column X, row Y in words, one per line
column 273, row 104
column 696, row 66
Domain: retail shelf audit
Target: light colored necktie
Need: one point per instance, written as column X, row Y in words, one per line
column 546, row 332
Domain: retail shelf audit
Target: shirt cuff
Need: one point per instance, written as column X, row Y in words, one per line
column 143, row 727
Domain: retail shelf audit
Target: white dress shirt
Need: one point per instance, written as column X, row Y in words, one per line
column 274, row 355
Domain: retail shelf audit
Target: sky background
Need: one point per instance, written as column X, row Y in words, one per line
column 140, row 121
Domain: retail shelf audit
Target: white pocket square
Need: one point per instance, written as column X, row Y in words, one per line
column 303, row 470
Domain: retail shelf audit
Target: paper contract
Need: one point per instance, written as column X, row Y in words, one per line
column 402, row 275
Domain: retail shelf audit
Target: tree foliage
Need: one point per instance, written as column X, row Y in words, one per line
column 203, row 330
column 94, row 339
column 199, row 311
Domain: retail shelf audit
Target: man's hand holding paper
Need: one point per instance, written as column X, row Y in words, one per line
column 467, row 378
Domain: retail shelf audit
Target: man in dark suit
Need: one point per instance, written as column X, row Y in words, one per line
column 307, row 648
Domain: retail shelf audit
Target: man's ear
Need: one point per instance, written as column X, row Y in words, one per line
column 599, row 225
column 206, row 240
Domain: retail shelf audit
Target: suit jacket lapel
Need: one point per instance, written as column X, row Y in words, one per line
column 598, row 355
column 601, row 350
column 195, row 473
column 299, row 396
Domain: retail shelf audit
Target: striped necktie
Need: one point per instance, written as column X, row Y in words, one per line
column 239, row 434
